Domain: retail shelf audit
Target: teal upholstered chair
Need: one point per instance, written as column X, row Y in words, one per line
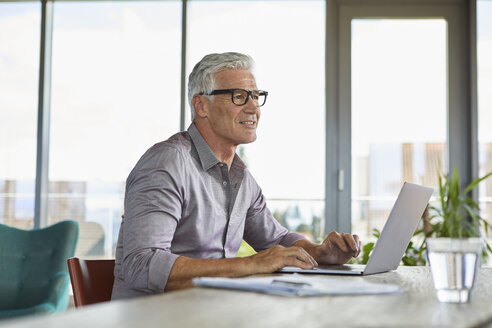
column 34, row 275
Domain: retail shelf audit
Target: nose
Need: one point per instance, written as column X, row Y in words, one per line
column 250, row 106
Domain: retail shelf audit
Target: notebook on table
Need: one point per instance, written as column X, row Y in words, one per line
column 393, row 241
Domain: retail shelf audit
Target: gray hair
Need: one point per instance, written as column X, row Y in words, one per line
column 202, row 77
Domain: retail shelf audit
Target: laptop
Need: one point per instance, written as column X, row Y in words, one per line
column 393, row 241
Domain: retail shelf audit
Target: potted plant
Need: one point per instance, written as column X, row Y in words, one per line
column 456, row 215
column 452, row 239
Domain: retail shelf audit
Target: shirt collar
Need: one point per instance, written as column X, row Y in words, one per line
column 237, row 161
column 206, row 155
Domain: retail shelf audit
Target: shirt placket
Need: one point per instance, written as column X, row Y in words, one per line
column 226, row 185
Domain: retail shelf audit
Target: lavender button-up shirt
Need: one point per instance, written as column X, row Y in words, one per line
column 181, row 200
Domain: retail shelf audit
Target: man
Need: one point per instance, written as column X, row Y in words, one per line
column 190, row 200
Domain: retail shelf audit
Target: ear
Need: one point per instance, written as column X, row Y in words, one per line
column 199, row 102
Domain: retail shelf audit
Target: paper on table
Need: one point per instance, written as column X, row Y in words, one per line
column 297, row 285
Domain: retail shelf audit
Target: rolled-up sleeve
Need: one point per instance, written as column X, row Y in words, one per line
column 153, row 203
column 262, row 230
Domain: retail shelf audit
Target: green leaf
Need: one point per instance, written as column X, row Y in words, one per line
column 409, row 261
column 366, row 252
column 475, row 183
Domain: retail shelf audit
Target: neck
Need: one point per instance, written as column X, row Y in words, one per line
column 225, row 155
column 223, row 151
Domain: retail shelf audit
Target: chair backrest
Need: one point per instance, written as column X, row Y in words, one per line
column 92, row 280
column 33, row 267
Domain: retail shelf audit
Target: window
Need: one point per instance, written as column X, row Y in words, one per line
column 399, row 111
column 337, row 109
column 484, row 53
column 287, row 159
column 19, row 64
column 115, row 93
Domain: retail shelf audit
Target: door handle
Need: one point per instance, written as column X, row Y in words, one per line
column 341, row 180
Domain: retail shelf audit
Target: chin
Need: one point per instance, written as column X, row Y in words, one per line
column 248, row 140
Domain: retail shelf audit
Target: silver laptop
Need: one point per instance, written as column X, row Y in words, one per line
column 391, row 245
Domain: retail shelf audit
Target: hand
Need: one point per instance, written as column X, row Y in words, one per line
column 338, row 248
column 277, row 257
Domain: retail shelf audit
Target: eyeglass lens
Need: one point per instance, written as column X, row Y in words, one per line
column 240, row 97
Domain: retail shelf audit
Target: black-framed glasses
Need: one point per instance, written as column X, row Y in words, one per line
column 240, row 96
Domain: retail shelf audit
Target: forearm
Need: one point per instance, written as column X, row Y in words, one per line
column 185, row 268
column 267, row 261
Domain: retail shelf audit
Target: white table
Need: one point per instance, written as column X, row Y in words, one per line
column 417, row 306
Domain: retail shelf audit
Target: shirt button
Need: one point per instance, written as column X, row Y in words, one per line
column 224, row 183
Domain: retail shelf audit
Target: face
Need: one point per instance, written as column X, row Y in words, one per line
column 229, row 124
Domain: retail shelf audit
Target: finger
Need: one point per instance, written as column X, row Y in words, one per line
column 294, row 261
column 356, row 238
column 305, row 256
column 311, row 259
column 359, row 245
column 350, row 241
column 301, row 254
column 360, row 248
column 335, row 238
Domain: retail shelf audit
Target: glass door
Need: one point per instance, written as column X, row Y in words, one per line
column 399, row 112
column 484, row 54
column 404, row 105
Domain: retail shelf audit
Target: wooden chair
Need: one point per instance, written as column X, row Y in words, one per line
column 92, row 280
